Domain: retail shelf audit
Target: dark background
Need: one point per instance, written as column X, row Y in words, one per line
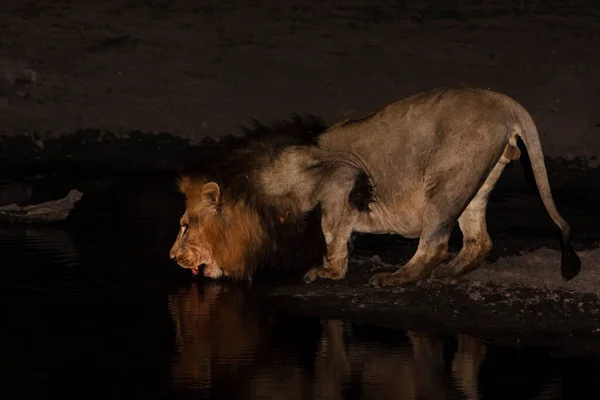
column 202, row 68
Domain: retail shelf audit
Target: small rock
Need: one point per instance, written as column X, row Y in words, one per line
column 475, row 296
column 376, row 259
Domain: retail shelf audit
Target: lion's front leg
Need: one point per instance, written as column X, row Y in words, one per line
column 337, row 223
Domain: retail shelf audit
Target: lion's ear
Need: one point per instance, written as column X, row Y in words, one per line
column 212, row 192
column 184, row 184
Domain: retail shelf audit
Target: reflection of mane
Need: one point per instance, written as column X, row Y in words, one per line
column 292, row 239
column 213, row 325
column 222, row 336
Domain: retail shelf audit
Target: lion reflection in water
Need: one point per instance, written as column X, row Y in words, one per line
column 223, row 337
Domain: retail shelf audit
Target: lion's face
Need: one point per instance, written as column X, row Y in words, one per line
column 192, row 249
column 200, row 228
column 215, row 234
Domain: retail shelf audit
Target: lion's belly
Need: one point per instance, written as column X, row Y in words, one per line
column 402, row 217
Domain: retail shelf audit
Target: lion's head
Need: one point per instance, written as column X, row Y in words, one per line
column 216, row 233
column 231, row 225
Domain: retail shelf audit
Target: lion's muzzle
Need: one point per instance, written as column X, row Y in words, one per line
column 183, row 261
column 192, row 261
column 175, row 253
column 180, row 257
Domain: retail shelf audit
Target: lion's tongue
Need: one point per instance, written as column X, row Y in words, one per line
column 195, row 271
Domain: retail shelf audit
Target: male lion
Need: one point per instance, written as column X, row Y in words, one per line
column 414, row 167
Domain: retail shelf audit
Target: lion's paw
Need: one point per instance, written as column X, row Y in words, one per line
column 444, row 271
column 388, row 279
column 321, row 272
column 453, row 270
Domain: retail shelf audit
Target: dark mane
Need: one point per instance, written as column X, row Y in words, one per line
column 234, row 164
column 232, row 161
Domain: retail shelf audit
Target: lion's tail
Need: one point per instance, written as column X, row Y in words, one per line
column 527, row 131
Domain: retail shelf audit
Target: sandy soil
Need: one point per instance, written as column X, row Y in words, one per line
column 198, row 68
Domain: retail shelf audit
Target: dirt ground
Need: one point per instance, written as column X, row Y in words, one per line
column 97, row 87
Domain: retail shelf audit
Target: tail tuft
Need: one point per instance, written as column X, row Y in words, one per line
column 570, row 265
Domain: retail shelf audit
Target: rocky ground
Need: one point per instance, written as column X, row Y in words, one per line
column 89, row 90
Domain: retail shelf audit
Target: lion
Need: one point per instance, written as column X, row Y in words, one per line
column 415, row 167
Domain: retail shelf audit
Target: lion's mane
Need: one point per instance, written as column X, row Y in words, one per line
column 289, row 240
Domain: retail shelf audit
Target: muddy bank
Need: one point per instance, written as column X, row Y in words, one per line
column 485, row 304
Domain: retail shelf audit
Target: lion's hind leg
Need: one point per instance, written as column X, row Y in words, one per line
column 449, row 197
column 432, row 249
column 472, row 222
column 438, row 220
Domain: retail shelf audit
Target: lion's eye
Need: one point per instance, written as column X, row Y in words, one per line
column 184, row 228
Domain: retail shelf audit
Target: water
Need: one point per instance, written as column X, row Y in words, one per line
column 102, row 313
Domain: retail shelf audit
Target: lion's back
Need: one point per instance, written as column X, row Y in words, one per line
column 399, row 138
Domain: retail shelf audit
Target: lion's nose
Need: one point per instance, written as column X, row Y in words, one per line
column 173, row 255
